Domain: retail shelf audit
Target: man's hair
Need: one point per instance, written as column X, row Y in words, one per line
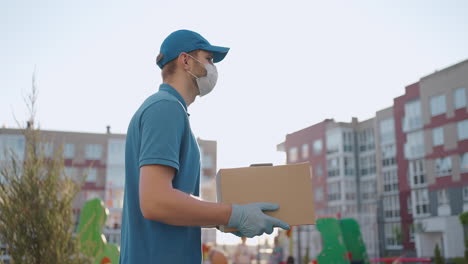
column 170, row 67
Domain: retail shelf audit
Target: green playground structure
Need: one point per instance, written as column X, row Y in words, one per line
column 342, row 242
column 92, row 242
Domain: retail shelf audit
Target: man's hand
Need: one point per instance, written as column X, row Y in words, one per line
column 250, row 220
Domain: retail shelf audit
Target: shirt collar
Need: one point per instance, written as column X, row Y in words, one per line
column 168, row 88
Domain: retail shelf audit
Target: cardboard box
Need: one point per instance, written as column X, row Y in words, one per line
column 290, row 186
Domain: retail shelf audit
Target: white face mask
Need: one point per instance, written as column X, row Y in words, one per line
column 208, row 82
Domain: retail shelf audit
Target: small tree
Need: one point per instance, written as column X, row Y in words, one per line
column 36, row 202
column 464, row 222
column 437, row 257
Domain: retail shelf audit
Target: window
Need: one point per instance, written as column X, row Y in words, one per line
column 409, row 204
column 442, row 198
column 438, row 136
column 91, row 175
column 69, row 151
column 46, row 148
column 390, row 181
column 417, row 173
column 465, row 194
column 387, row 131
column 392, row 234
column 207, row 161
column 116, row 152
column 413, row 118
column 367, row 165
column 317, row 146
column 348, row 141
column 93, row 151
column 305, row 151
column 71, row 172
column 333, row 167
column 334, row 191
column 414, row 146
column 443, row 166
column 115, row 176
column 349, row 166
column 368, row 189
column 438, row 105
column 464, row 163
column 293, row 154
column 333, row 141
column 12, row 143
column 318, row 170
column 388, row 155
column 459, row 97
column 421, row 201
column 391, row 206
column 366, row 140
column 350, row 190
column 318, row 194
column 462, row 129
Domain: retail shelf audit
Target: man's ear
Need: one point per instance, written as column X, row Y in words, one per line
column 183, row 61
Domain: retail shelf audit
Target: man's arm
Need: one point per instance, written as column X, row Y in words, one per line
column 159, row 201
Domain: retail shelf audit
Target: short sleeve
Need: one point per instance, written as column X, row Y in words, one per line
column 162, row 127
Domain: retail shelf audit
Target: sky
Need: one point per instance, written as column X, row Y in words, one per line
column 292, row 64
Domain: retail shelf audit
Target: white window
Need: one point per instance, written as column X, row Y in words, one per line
column 318, row 170
column 368, row 189
column 350, row 190
column 69, row 151
column 409, row 205
column 366, row 140
column 413, row 118
column 388, row 155
column 465, row 194
column 293, row 154
column 305, row 151
column 443, row 166
column 421, row 201
column 387, row 131
column 417, row 173
column 442, row 198
column 348, row 141
column 333, row 141
column 333, row 167
column 91, row 175
column 391, row 206
column 116, row 152
column 367, row 165
column 462, row 129
column 46, row 148
column 459, row 97
column 71, row 172
column 390, row 181
column 115, row 176
column 317, row 146
column 318, row 194
column 438, row 136
column 12, row 143
column 393, row 235
column 414, row 146
column 464, row 163
column 207, row 161
column 93, row 151
column 438, row 105
column 334, row 191
column 349, row 166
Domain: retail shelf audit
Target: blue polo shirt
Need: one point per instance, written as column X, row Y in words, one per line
column 159, row 133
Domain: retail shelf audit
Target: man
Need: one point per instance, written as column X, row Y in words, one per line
column 162, row 218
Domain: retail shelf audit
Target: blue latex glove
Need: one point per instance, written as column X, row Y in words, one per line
column 250, row 220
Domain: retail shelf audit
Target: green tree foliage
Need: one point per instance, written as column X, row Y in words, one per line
column 36, row 219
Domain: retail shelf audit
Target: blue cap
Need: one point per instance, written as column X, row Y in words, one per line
column 187, row 41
